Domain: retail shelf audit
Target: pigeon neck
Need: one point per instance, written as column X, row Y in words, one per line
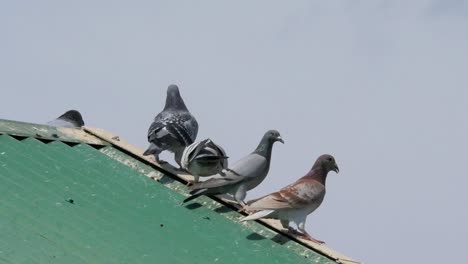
column 264, row 149
column 175, row 102
column 319, row 174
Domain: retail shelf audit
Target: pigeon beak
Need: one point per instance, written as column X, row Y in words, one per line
column 280, row 139
column 336, row 169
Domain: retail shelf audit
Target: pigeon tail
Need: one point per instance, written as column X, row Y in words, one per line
column 257, row 215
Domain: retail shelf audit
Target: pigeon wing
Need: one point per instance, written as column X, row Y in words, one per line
column 190, row 125
column 244, row 169
column 297, row 195
column 173, row 125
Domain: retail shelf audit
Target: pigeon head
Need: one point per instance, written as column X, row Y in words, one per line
column 266, row 144
column 273, row 136
column 173, row 99
column 72, row 116
column 326, row 163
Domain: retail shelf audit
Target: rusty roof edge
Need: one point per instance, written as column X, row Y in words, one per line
column 183, row 177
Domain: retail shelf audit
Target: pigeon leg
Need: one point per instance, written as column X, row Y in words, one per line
column 284, row 223
column 240, row 195
column 196, row 178
column 309, row 237
column 303, row 233
column 194, row 181
column 293, row 231
column 160, row 161
column 243, row 207
column 156, row 157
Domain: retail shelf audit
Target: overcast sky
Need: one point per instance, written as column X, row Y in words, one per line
column 381, row 85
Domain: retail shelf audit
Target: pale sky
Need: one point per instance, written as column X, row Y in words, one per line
column 381, row 85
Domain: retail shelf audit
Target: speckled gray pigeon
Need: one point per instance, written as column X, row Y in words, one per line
column 71, row 118
column 203, row 158
column 294, row 202
column 244, row 175
column 173, row 128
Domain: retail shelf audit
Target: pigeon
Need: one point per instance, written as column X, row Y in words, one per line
column 294, row 202
column 174, row 128
column 244, row 175
column 71, row 119
column 203, row 158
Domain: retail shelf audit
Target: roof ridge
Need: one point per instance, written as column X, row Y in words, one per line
column 102, row 138
column 168, row 169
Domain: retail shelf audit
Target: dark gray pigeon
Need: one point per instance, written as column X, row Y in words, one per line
column 173, row 128
column 71, row 118
column 203, row 158
column 244, row 175
column 294, row 202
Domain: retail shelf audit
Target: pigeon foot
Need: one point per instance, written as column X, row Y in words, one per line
column 304, row 235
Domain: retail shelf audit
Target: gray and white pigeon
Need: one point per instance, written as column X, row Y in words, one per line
column 71, row 118
column 203, row 158
column 173, row 128
column 294, row 202
column 244, row 175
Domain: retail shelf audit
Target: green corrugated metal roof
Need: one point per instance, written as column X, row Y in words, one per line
column 81, row 203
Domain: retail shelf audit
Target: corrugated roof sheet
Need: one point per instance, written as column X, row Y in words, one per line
column 96, row 202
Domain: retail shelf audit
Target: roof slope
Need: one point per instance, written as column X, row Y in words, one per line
column 71, row 197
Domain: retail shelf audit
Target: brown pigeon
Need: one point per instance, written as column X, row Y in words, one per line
column 294, row 202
